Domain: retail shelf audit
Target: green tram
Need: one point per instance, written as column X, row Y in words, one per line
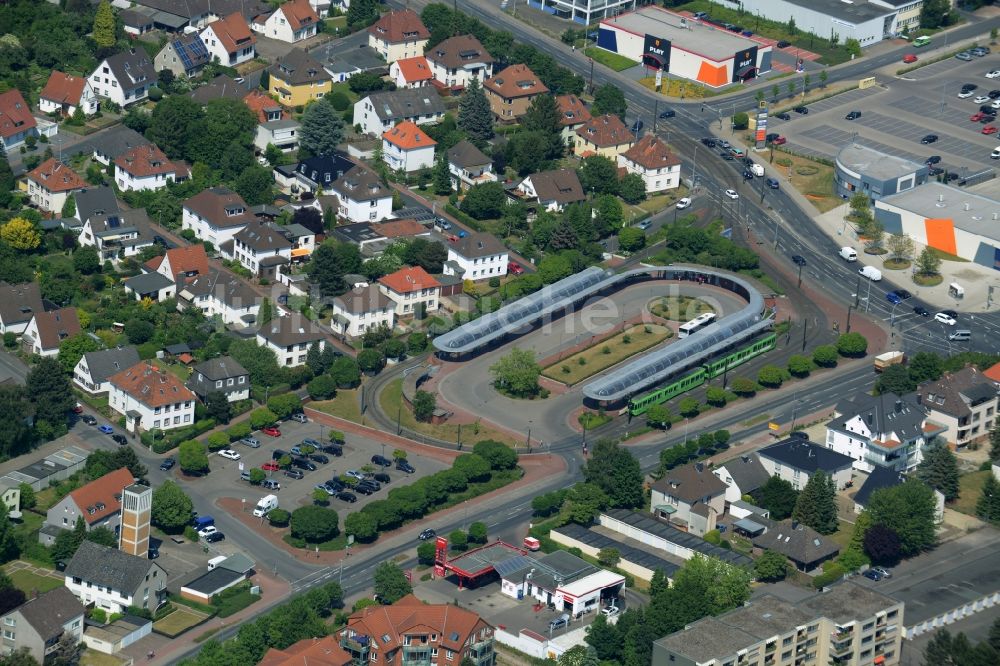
column 704, row 373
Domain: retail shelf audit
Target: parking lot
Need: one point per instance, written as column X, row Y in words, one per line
column 898, row 113
column 357, row 452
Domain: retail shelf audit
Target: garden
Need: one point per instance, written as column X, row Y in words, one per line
column 606, row 353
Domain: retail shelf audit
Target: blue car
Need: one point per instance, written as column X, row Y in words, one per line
column 106, row 429
column 893, row 298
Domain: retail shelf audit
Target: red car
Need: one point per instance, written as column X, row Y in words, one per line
column 909, row 57
column 78, row 408
column 779, row 141
column 270, row 466
column 514, row 268
column 977, row 116
column 990, row 129
column 272, row 431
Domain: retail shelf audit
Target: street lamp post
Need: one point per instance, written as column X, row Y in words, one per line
column 849, row 309
column 527, row 442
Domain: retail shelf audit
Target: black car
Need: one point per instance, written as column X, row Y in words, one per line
column 922, row 311
column 798, row 260
column 726, row 155
column 404, row 466
column 951, row 176
column 350, row 498
column 929, row 138
column 381, row 461
column 669, row 113
column 319, row 457
column 988, row 110
column 336, row 484
column 637, row 126
column 801, row 109
column 332, row 449
column 215, row 537
column 933, row 159
column 88, row 419
column 993, row 94
column 119, row 439
column 771, row 137
column 783, row 44
column 159, row 240
column 968, row 87
column 853, row 115
column 427, row 534
column 382, row 477
column 278, row 454
column 903, row 294
column 371, row 483
column 303, row 463
column 782, row 116
column 708, row 141
column 951, row 313
column 294, row 474
column 735, row 28
column 747, row 175
column 167, row 464
column 363, row 489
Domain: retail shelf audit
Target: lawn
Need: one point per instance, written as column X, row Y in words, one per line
column 179, row 621
column 813, row 179
column 606, row 353
column 843, row 535
column 679, row 308
column 27, row 581
column 344, row 405
column 680, row 88
column 608, row 59
column 654, row 204
column 232, row 601
column 392, row 399
column 970, row 487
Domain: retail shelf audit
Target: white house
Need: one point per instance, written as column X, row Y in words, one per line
column 283, row 134
column 398, row 34
column 406, row 147
column 146, row 168
column 742, row 476
column 291, row 22
column 94, row 368
column 382, row 111
column 221, row 294
column 362, row 196
column 223, row 374
column 290, row 338
column 47, row 330
column 553, row 190
column 229, row 40
column 115, row 235
column 880, row 431
column 412, row 72
column 150, row 398
column 964, row 403
column 468, row 166
column 113, row 580
column 360, row 309
column 796, row 459
column 65, row 93
column 51, row 183
column 652, row 159
column 18, row 305
column 457, row 60
column 216, row 215
column 480, row 256
column 689, row 497
column 410, row 289
column 124, row 78
column 260, row 249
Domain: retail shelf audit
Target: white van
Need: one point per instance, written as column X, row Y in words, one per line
column 266, row 504
column 961, row 335
column 848, row 254
column 995, row 155
column 871, row 273
column 757, row 170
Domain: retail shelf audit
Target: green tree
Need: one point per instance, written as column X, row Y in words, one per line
column 475, row 117
column 825, row 356
column 928, row 263
column 632, row 239
column 925, row 366
column 771, row 566
column 777, row 496
column 881, row 544
column 497, row 454
column 894, row 379
column 632, row 188
column 172, row 508
column 816, row 505
column 363, row 526
column 689, row 407
column 907, row 509
column 485, row 201
column 72, row 349
column 517, row 373
column 255, row 185
column 799, row 365
column 583, row 502
column 427, row 553
column 192, row 457
column 322, row 387
column 598, row 174
column 659, row 416
column 770, row 376
column 371, row 361
column 19, row 657
column 218, row 407
column 939, row 470
column 322, row 129
column 104, row 26
column 390, row 583
column 616, row 471
column 345, row 372
column 609, row 99
column 608, row 209
column 478, row 532
column 28, row 499
column 995, row 441
column 362, row 13
column 900, row 246
column 85, row 259
column 609, row 557
column 543, row 116
column 935, row 14
column 262, row 417
column 173, row 123
column 472, row 467
column 852, row 345
column 49, row 390
column 259, row 362
column 441, row 175
column 9, row 545
column 424, row 404
column 314, row 524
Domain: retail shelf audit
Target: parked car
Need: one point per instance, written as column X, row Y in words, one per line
column 245, row 476
column 637, row 126
column 296, row 450
column 882, row 571
column 559, row 622
column 167, row 464
column 252, row 442
column 964, row 55
column 709, row 141
column 780, row 141
column 348, row 497
column 801, row 110
column 294, row 474
column 989, row 129
column 270, row 466
column 514, row 268
column 363, row 489
column 609, row 611
column 929, row 138
column 300, row 417
column 909, row 58
column 381, row 461
column 993, row 74
column 215, row 537
column 933, row 159
column 382, row 477
column 969, row 86
column 871, row 573
column 336, row 484
column 853, row 115
column 355, row 474
column 783, row 116
column 119, row 439
column 78, row 408
column 332, row 449
column 783, row 44
column 271, row 431
column 208, row 529
column 404, row 466
column 981, row 99
column 303, row 463
column 371, row 483
column 229, row 454
column 320, row 458
column 683, row 203
column 278, row 454
column 88, row 419
column 427, row 534
column 325, row 488
column 106, row 429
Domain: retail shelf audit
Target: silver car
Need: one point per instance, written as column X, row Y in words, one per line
column 252, row 442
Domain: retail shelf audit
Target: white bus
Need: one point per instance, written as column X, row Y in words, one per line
column 699, row 322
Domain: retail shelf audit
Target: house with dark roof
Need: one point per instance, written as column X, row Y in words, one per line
column 690, row 497
column 291, row 22
column 477, row 256
column 184, row 54
column 107, row 145
column 362, row 195
column 51, row 183
column 94, row 368
column 297, row 78
column 882, row 431
column 552, row 190
column 469, row 166
column 381, row 111
column 220, row 293
column 150, row 398
column 16, row 121
column 216, row 215
column 173, row 15
column 260, row 248
column 124, row 78
column 796, row 459
column 742, row 475
column 604, row 135
column 290, row 338
column 223, row 374
column 411, row 288
column 46, row 331
column 964, row 403
column 64, row 94
column 136, row 22
column 458, row 60
column 512, row 91
column 804, row 546
column 116, row 235
column 886, row 477
column 652, row 159
column 18, row 305
column 229, row 40
column 221, row 87
column 314, row 175
column 398, row 34
column 98, row 503
column 113, row 580
column 40, row 623
column 573, row 113
column 151, row 285
column 360, row 309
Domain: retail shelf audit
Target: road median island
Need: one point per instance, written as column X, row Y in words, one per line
column 606, row 353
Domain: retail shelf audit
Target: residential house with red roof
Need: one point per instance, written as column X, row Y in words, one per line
column 964, row 402
column 99, row 503
column 992, row 373
column 291, row 22
column 604, row 135
column 64, row 94
column 16, row 121
column 265, row 107
column 229, row 40
column 412, row 72
column 572, row 114
column 47, row 330
column 411, row 288
column 149, row 398
column 325, row 651
column 275, row 125
column 180, row 263
column 652, row 159
column 411, row 631
column 51, row 183
column 398, row 34
column 407, row 148
column 146, row 168
column 457, row 60
column 511, row 92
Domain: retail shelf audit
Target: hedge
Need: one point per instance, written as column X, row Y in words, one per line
column 172, row 438
column 832, row 572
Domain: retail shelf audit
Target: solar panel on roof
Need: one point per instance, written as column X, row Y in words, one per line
column 114, row 222
column 508, row 567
